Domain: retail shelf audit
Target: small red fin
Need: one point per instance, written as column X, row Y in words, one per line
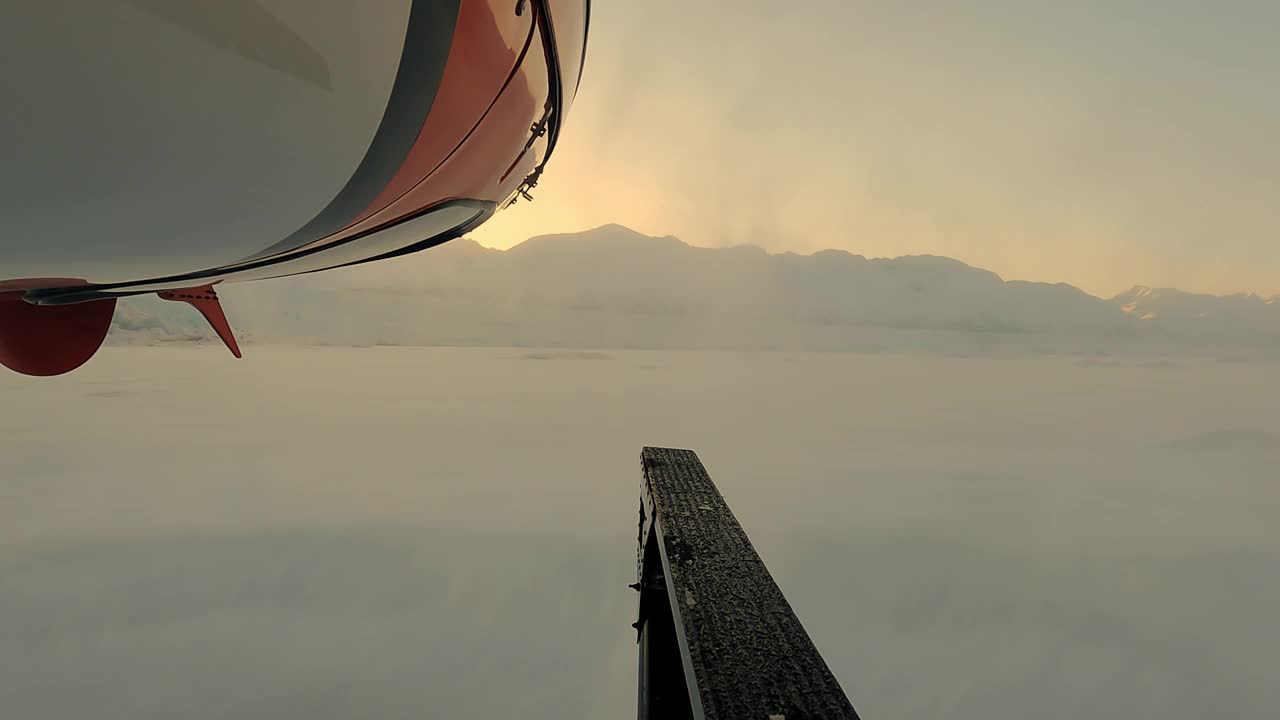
column 205, row 300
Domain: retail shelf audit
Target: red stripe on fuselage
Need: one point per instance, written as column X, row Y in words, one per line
column 487, row 43
column 478, row 168
column 470, row 140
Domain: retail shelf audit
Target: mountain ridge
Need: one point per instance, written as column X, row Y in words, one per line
column 612, row 286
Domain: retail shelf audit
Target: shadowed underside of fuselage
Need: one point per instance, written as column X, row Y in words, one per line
column 172, row 146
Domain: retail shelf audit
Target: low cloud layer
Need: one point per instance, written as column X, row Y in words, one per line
column 409, row 532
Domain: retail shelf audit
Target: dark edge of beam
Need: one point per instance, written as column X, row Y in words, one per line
column 745, row 653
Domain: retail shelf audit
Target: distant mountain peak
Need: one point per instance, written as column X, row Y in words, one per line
column 616, row 228
column 612, row 286
column 603, row 238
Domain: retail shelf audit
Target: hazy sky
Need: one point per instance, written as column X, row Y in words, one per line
column 1104, row 144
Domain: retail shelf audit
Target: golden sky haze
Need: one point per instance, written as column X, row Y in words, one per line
column 1104, row 145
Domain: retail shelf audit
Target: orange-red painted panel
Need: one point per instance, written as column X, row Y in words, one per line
column 476, row 169
column 51, row 340
column 486, row 46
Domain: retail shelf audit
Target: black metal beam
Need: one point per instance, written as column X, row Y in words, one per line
column 718, row 641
